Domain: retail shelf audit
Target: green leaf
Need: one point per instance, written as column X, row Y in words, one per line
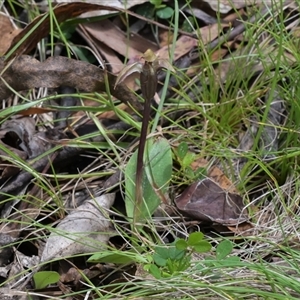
column 43, row 278
column 200, row 173
column 184, row 263
column 156, row 3
column 190, row 173
column 159, row 260
column 146, row 10
column 163, row 251
column 176, row 254
column 194, row 238
column 188, row 24
column 202, row 246
column 188, row 159
column 155, row 271
column 172, row 266
column 182, row 150
column 231, row 261
column 181, row 244
column 156, row 178
column 121, row 258
column 224, row 249
column 165, row 13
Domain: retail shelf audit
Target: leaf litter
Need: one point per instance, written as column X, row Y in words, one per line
column 55, row 146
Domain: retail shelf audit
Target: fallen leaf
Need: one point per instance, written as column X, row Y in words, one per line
column 107, row 32
column 22, row 134
column 84, row 230
column 243, row 229
column 62, row 12
column 206, row 201
column 8, row 32
column 221, row 179
column 26, row 72
column 184, row 44
column 114, row 3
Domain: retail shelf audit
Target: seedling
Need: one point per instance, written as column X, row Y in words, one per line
column 176, row 257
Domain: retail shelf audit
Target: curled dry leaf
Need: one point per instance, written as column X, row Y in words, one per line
column 115, row 3
column 85, row 230
column 26, row 72
column 62, row 12
column 207, row 201
column 21, row 133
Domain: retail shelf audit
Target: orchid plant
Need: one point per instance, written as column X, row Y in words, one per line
column 148, row 66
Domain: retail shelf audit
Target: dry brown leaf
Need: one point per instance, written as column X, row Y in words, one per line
column 84, row 230
column 183, row 46
column 62, row 12
column 115, row 3
column 243, row 229
column 22, row 134
column 213, row 199
column 215, row 174
column 26, row 72
column 206, row 201
column 8, row 32
column 218, row 176
column 102, row 50
column 108, row 33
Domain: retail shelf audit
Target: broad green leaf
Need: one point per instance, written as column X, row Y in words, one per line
column 158, row 260
column 156, row 177
column 146, row 10
column 176, row 254
column 202, row 247
column 181, row 244
column 194, row 238
column 165, row 13
column 156, row 2
column 43, row 278
column 163, row 251
column 224, row 249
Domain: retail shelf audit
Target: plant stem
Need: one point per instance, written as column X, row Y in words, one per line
column 148, row 79
column 140, row 157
